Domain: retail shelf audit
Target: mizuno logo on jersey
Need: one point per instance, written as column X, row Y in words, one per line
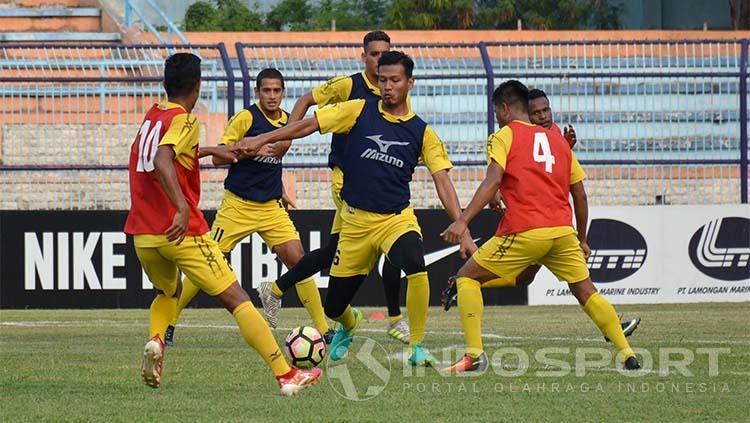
column 267, row 160
column 381, row 154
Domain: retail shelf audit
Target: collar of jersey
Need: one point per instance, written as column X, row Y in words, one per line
column 166, row 105
column 275, row 122
column 393, row 118
column 522, row 122
column 374, row 88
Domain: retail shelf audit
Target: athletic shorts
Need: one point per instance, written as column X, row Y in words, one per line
column 507, row 256
column 365, row 235
column 198, row 257
column 238, row 218
column 337, row 183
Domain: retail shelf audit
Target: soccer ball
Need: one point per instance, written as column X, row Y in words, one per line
column 305, row 346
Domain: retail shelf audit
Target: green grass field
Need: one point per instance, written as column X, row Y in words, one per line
column 84, row 365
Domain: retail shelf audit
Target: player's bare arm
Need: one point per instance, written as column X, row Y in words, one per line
column 448, row 197
column 485, row 193
column 279, row 148
column 219, row 154
column 167, row 176
column 302, row 128
column 581, row 209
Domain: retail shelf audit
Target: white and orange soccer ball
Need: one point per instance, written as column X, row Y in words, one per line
column 305, row 346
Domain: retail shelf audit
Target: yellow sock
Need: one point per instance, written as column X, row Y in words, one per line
column 394, row 319
column 189, row 291
column 471, row 308
column 309, row 295
column 499, row 283
column 347, row 318
column 605, row 317
column 162, row 312
column 417, row 303
column 276, row 290
column 258, row 335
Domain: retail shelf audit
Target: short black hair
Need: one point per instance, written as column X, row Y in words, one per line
column 269, row 73
column 394, row 57
column 375, row 36
column 181, row 72
column 512, row 93
column 537, row 93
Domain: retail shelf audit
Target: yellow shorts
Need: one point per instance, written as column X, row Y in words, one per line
column 365, row 235
column 507, row 256
column 238, row 218
column 198, row 257
column 337, row 182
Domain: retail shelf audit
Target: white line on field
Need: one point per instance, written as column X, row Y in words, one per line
column 121, row 323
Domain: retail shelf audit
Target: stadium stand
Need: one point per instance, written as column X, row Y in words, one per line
column 56, row 21
column 658, row 121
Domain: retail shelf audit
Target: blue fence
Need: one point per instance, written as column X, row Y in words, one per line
column 658, row 122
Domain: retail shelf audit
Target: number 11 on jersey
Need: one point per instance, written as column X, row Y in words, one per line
column 542, row 151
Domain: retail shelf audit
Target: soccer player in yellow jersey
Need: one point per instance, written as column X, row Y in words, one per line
column 540, row 114
column 253, row 198
column 535, row 171
column 361, row 85
column 384, row 144
column 170, row 233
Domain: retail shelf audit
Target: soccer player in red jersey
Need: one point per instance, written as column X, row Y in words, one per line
column 170, row 233
column 535, row 171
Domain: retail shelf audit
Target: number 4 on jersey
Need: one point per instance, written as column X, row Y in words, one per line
column 147, row 146
column 542, row 152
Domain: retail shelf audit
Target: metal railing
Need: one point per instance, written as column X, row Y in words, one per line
column 132, row 7
column 658, row 122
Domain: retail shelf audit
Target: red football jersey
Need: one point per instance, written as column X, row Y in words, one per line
column 151, row 211
column 555, row 128
column 536, row 182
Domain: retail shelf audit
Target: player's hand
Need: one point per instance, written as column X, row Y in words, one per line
column 250, row 146
column 287, row 201
column 224, row 154
column 586, row 249
column 570, row 134
column 277, row 149
column 266, row 151
column 496, row 204
column 468, row 246
column 179, row 227
column 454, row 232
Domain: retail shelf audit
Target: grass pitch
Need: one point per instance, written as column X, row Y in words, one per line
column 549, row 364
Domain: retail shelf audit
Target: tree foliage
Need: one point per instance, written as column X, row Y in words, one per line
column 351, row 15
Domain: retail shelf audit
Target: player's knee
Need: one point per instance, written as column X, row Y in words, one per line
column 527, row 275
column 407, row 254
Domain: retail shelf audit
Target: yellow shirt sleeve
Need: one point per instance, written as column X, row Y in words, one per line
column 339, row 118
column 576, row 171
column 498, row 146
column 433, row 152
column 182, row 134
column 237, row 127
column 335, row 90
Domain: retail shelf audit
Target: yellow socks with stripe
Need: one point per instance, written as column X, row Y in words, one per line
column 394, row 319
column 605, row 317
column 258, row 335
column 276, row 290
column 189, row 291
column 309, row 295
column 347, row 318
column 471, row 308
column 162, row 312
column 417, row 303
